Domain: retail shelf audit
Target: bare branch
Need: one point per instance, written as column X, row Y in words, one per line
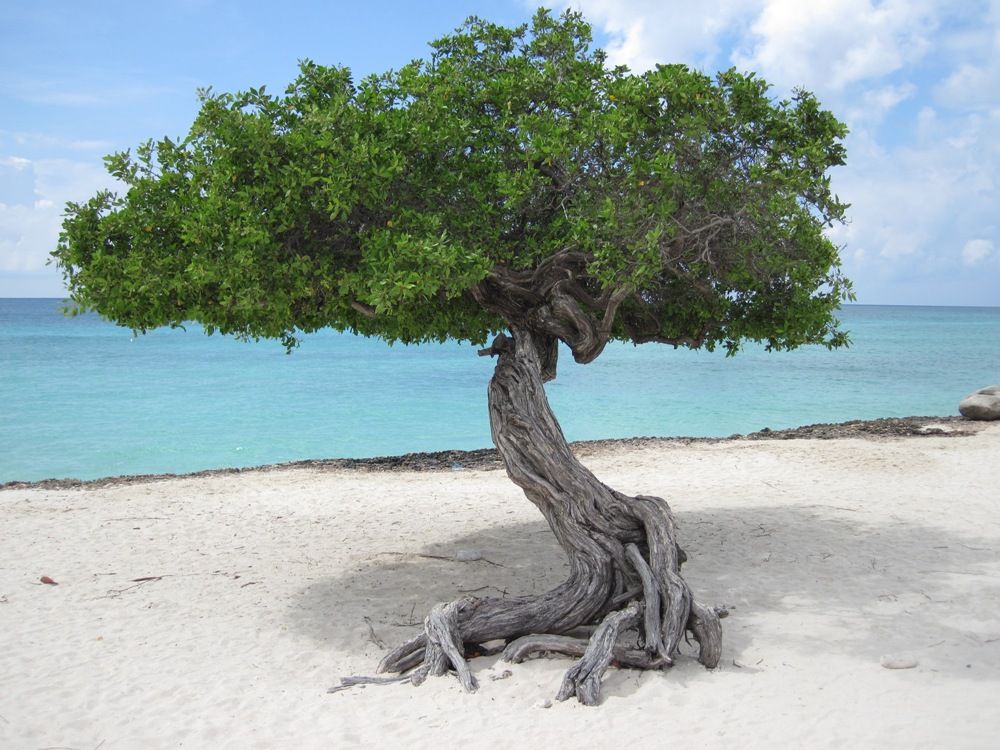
column 367, row 310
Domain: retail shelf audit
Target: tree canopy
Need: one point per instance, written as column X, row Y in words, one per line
column 513, row 176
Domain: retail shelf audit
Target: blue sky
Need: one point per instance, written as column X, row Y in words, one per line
column 917, row 81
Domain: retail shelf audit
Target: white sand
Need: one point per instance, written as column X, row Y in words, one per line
column 830, row 555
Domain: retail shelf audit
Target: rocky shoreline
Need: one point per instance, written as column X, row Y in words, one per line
column 488, row 458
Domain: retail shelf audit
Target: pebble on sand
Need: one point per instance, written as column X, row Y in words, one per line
column 898, row 662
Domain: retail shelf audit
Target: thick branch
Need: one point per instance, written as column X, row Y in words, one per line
column 555, row 300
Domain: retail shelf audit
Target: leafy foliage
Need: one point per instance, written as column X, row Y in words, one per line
column 381, row 207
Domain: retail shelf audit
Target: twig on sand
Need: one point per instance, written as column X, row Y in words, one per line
column 503, row 592
column 349, row 682
column 411, row 621
column 447, row 558
column 835, row 507
column 140, row 518
column 371, row 634
column 136, row 583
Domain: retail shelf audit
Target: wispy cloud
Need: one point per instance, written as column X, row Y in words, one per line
column 88, row 88
column 975, row 251
column 21, row 138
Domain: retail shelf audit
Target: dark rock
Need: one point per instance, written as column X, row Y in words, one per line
column 983, row 404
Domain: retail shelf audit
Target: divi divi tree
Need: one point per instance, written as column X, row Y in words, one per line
column 515, row 191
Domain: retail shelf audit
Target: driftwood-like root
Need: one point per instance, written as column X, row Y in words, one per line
column 583, row 679
column 707, row 630
column 535, row 645
column 653, row 635
column 405, row 656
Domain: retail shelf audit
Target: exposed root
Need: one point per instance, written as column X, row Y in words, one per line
column 664, row 563
column 707, row 630
column 651, row 620
column 533, row 645
column 405, row 656
column 583, row 679
column 444, row 645
column 440, row 648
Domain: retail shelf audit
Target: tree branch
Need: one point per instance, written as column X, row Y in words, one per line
column 367, row 310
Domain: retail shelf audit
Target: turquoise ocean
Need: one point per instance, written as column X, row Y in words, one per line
column 82, row 398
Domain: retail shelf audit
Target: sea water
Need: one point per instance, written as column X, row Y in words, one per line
column 80, row 397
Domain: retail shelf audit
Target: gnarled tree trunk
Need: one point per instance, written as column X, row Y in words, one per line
column 623, row 556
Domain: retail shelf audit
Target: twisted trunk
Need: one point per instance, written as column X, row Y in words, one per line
column 623, row 557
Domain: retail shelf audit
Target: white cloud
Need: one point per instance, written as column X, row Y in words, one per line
column 873, row 105
column 16, row 162
column 17, row 181
column 29, row 225
column 830, row 44
column 645, row 32
column 816, row 44
column 977, row 250
column 971, row 86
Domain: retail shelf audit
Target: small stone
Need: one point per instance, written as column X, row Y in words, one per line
column 545, row 704
column 898, row 662
column 982, row 404
column 468, row 555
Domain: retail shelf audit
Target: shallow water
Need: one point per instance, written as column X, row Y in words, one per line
column 80, row 397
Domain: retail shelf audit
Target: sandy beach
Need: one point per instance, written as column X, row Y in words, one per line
column 215, row 611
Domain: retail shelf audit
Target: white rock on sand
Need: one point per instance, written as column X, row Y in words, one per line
column 215, row 611
column 982, row 404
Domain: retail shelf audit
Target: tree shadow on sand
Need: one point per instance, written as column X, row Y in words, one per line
column 815, row 580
